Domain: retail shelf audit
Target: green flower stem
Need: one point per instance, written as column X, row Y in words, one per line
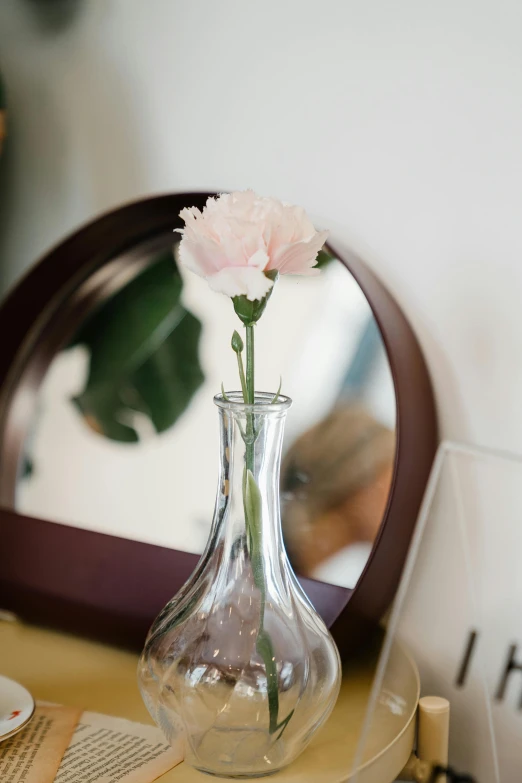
column 253, row 510
column 242, row 376
column 250, row 396
column 252, row 502
column 250, row 363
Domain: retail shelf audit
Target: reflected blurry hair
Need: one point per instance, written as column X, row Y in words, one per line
column 336, row 479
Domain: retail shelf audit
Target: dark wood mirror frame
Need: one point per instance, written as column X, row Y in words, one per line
column 93, row 584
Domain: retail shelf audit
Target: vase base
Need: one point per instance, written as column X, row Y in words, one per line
column 244, row 776
column 238, row 753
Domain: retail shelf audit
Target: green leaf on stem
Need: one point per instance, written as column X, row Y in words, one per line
column 253, row 509
column 265, row 649
column 278, row 392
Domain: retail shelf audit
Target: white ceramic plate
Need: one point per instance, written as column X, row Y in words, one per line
column 16, row 707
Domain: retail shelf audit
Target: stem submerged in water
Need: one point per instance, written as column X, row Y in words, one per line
column 252, row 502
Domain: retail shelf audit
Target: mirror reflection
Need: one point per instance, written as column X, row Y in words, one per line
column 121, row 436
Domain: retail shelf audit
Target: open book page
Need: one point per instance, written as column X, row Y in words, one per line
column 34, row 754
column 113, row 750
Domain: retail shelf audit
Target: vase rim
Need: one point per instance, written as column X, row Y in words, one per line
column 263, row 402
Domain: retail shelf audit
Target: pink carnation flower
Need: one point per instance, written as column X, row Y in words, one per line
column 240, row 236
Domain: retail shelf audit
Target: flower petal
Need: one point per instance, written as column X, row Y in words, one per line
column 243, row 231
column 259, row 260
column 298, row 258
column 202, row 256
column 241, row 281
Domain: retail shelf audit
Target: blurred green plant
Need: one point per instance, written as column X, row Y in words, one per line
column 143, row 347
column 55, row 15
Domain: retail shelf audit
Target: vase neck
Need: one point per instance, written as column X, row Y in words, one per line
column 251, row 442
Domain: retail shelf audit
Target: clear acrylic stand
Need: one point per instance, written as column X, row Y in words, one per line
column 458, row 613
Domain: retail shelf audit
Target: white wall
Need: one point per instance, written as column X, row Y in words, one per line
column 398, row 124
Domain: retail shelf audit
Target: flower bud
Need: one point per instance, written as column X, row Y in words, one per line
column 237, row 343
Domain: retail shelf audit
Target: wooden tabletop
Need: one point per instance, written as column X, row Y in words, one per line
column 68, row 670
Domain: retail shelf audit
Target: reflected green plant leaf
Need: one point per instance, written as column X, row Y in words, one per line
column 143, row 356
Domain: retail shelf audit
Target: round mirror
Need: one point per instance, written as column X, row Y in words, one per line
column 108, row 422
column 123, row 437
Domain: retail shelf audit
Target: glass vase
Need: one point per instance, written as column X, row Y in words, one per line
column 239, row 661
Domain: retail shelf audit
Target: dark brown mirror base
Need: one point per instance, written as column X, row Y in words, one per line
column 100, row 586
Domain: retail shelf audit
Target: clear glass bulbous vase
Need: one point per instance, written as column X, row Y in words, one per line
column 239, row 661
